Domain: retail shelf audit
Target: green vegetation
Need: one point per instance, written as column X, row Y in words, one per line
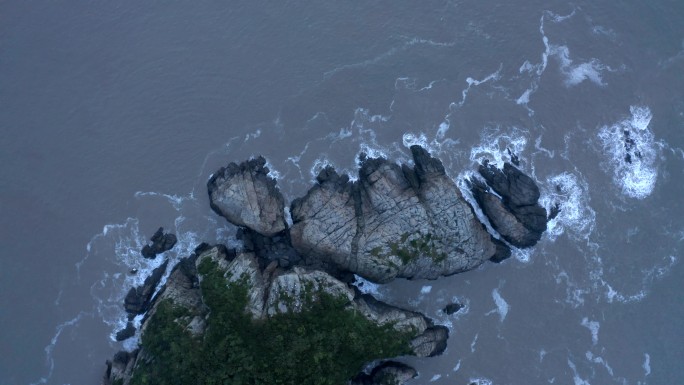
column 326, row 343
column 419, row 245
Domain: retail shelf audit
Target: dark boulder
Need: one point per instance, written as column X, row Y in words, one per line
column 126, row 333
column 452, row 308
column 161, row 242
column 514, row 212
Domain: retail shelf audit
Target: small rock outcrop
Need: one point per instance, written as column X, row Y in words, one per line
column 247, row 196
column 161, row 242
column 138, row 299
column 514, row 212
column 388, row 372
column 395, row 221
column 452, row 308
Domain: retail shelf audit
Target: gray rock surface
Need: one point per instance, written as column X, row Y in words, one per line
column 395, row 221
column 247, row 196
column 514, row 212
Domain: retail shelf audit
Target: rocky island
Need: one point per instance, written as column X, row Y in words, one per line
column 283, row 309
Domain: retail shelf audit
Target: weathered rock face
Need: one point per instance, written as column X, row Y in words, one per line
column 517, row 215
column 161, row 242
column 274, row 290
column 246, row 196
column 393, row 222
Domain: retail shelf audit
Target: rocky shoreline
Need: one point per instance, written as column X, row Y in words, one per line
column 393, row 221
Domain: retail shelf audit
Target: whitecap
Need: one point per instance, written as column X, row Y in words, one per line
column 435, row 377
column 593, row 327
column 575, row 74
column 473, row 343
column 647, row 364
column 569, row 193
column 599, row 360
column 502, row 306
column 480, row 381
column 496, row 145
column 272, row 172
column 576, row 377
column 426, row 289
column 632, row 151
column 494, row 76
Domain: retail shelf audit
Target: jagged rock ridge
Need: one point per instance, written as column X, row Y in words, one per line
column 395, row 221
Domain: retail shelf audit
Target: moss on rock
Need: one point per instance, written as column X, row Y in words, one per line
column 326, row 342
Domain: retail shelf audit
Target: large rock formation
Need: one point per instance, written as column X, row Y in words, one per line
column 395, row 221
column 515, row 213
column 271, row 291
column 246, row 196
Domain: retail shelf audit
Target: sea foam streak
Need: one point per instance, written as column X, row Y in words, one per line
column 632, row 152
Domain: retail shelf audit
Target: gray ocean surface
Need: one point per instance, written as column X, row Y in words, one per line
column 113, row 116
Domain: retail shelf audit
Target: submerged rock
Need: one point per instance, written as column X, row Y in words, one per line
column 247, row 196
column 395, row 221
column 161, row 242
column 514, row 212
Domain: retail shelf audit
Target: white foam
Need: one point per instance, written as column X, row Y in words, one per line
column 457, row 367
column 435, row 377
column 647, row 364
column 575, row 74
column 480, row 381
column 556, row 18
column 522, row 255
column 655, row 272
column 495, row 144
column 473, row 343
column 599, row 360
column 252, row 135
column 632, row 151
column 272, row 172
column 576, row 377
column 494, row 76
column 570, row 192
column 593, row 327
column 53, row 342
column 443, row 128
column 426, row 289
column 367, row 287
column 501, row 304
